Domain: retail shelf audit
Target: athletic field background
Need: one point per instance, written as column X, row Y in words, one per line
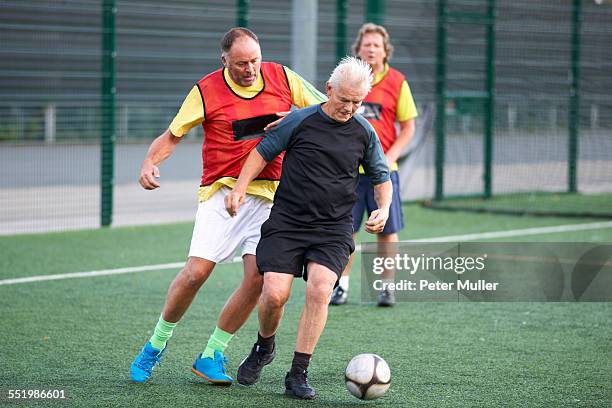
column 81, row 334
column 76, row 307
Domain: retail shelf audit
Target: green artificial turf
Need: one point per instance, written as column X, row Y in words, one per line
column 82, row 334
column 597, row 205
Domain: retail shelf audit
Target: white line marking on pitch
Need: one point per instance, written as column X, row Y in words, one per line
column 450, row 238
column 520, row 232
column 104, row 272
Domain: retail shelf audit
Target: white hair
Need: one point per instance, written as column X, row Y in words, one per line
column 353, row 72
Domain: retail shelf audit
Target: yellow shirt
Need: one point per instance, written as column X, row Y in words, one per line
column 406, row 109
column 191, row 114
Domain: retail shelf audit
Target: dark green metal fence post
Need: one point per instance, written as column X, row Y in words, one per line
column 375, row 11
column 574, row 114
column 107, row 145
column 341, row 9
column 242, row 19
column 490, row 101
column 440, row 100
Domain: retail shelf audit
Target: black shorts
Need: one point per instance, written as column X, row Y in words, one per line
column 287, row 248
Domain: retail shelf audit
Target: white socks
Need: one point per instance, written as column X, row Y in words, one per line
column 344, row 282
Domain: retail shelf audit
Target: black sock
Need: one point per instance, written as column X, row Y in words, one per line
column 300, row 362
column 265, row 343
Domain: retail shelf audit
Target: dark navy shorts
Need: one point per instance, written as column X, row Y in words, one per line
column 365, row 202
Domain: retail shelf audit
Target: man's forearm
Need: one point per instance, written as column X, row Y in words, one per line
column 253, row 165
column 162, row 147
column 383, row 194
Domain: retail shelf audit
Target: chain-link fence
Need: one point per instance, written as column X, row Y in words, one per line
column 51, row 92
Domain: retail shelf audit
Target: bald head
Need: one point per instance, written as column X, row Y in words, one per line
column 232, row 35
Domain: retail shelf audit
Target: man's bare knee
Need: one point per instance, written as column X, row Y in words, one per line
column 253, row 280
column 195, row 273
column 273, row 299
column 319, row 291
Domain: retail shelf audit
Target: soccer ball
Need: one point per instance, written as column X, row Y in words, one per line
column 367, row 376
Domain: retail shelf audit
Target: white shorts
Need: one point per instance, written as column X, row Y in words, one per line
column 217, row 235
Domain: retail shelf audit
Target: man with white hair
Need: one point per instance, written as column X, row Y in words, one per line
column 309, row 232
column 233, row 105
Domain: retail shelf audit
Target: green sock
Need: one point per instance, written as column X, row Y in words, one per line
column 163, row 331
column 217, row 341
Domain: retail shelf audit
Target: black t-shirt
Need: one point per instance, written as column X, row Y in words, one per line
column 321, row 166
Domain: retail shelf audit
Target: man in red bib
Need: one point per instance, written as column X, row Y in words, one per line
column 389, row 101
column 233, row 104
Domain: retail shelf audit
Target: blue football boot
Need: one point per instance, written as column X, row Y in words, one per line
column 145, row 362
column 212, row 369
